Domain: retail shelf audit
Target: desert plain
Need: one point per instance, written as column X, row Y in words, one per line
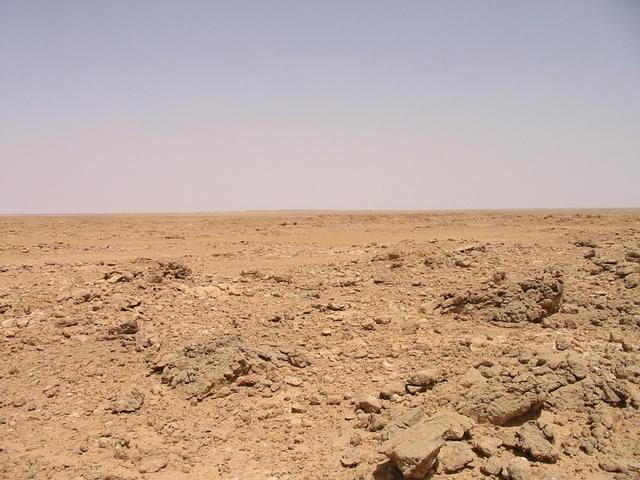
column 321, row 345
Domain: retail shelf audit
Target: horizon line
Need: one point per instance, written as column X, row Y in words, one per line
column 328, row 210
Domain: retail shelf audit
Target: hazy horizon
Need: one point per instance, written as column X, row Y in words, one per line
column 155, row 106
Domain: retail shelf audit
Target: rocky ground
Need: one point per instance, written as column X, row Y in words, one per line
column 321, row 346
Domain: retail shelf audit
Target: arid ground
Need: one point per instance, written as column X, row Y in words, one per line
column 311, row 345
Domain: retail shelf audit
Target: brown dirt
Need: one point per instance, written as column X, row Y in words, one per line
column 310, row 345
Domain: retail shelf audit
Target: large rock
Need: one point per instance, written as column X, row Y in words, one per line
column 455, row 456
column 414, row 449
column 498, row 406
column 532, row 443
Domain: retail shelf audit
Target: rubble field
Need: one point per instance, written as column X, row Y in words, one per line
column 321, row 345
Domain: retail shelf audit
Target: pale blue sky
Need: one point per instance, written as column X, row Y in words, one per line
column 202, row 106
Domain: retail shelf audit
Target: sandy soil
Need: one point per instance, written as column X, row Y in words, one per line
column 314, row 345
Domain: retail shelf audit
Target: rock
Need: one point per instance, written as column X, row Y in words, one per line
column 532, row 443
column 22, row 322
column 432, row 305
column 562, row 344
column 372, row 422
column 298, row 359
column 128, row 327
column 104, row 442
column 627, row 346
column 127, row 402
column 486, row 445
column 615, row 337
column 369, row 404
column 120, row 452
column 422, row 380
column 164, row 360
column 293, row 381
column 633, row 256
column 462, row 262
column 152, row 465
column 206, row 369
column 497, row 405
column 530, row 300
column 250, row 380
column 298, row 408
column 168, row 270
column 66, row 322
column 627, row 269
column 415, row 448
column 356, row 439
column 613, row 466
column 632, row 281
column 8, row 323
column 349, row 460
column 471, row 377
column 577, row 366
column 383, row 320
column 415, row 455
column 499, row 276
column 391, row 389
column 518, row 468
column 585, row 242
column 569, row 308
column 493, row 466
column 455, row 456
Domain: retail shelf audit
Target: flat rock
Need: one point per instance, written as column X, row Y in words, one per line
column 152, row 465
column 498, row 406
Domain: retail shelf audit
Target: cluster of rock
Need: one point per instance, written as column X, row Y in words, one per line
column 529, row 300
column 499, row 421
column 627, row 269
column 153, row 271
column 499, row 392
column 205, row 370
column 447, row 442
column 220, row 367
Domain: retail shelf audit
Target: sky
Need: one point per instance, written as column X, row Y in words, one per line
column 170, row 106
